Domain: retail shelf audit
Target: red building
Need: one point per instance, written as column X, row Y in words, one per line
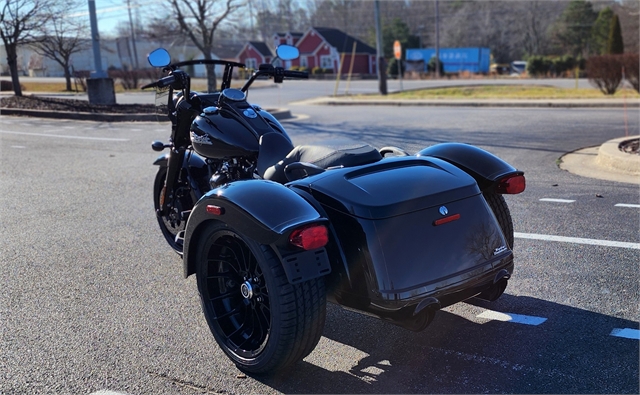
column 324, row 47
column 321, row 47
column 255, row 53
column 290, row 38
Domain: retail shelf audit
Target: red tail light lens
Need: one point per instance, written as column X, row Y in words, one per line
column 214, row 210
column 512, row 184
column 310, row 237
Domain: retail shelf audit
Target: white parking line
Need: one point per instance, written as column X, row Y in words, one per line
column 65, row 136
column 508, row 317
column 628, row 205
column 556, row 200
column 627, row 333
column 578, row 240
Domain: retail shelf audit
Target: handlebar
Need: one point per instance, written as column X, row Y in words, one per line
column 161, row 83
column 296, row 74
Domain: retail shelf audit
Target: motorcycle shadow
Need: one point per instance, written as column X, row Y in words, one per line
column 572, row 351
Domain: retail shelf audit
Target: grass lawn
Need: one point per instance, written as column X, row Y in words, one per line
column 463, row 92
column 503, row 92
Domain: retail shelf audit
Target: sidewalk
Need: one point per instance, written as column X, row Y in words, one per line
column 604, row 162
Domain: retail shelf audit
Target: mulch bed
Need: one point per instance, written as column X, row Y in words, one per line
column 630, row 146
column 71, row 105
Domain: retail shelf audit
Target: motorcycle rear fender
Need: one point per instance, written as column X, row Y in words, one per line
column 264, row 211
column 486, row 168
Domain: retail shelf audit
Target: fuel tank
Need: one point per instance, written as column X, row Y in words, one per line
column 410, row 228
column 232, row 130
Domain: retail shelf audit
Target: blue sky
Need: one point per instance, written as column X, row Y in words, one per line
column 111, row 13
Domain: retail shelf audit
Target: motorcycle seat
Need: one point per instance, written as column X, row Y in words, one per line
column 312, row 159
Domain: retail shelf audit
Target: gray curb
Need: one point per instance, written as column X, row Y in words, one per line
column 596, row 103
column 610, row 157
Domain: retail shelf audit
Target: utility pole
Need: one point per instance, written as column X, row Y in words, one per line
column 95, row 40
column 437, row 40
column 133, row 37
column 99, row 87
column 380, row 68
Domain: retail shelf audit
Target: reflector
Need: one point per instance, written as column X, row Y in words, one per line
column 310, row 237
column 215, row 210
column 512, row 184
column 445, row 220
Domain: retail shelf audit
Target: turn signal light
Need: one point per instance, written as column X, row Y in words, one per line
column 310, row 237
column 512, row 184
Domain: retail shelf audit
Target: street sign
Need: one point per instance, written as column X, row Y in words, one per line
column 397, row 49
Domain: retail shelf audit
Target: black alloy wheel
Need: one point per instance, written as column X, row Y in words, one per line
column 260, row 321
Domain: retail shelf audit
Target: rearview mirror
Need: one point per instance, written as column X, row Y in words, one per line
column 287, row 52
column 159, row 58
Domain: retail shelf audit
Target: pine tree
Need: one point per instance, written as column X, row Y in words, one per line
column 600, row 31
column 615, row 44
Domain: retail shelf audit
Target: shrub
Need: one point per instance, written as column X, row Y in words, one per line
column 129, row 78
column 605, row 72
column 632, row 69
column 538, row 66
column 431, row 66
column 563, row 64
column 6, row 86
column 80, row 77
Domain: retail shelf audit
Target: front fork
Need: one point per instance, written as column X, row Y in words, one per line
column 174, row 166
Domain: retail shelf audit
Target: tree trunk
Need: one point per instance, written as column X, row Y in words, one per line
column 67, row 78
column 211, row 78
column 12, row 60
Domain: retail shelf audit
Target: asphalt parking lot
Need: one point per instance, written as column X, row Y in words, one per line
column 94, row 300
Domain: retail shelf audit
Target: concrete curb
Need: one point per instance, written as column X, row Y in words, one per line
column 604, row 162
column 542, row 103
column 610, row 156
column 109, row 117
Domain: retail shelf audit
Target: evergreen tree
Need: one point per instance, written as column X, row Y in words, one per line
column 615, row 44
column 573, row 30
column 600, row 31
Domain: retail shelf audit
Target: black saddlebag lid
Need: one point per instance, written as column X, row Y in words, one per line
column 392, row 187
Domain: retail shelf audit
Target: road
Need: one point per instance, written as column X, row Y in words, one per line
column 94, row 300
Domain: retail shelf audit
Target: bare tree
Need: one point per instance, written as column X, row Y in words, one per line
column 199, row 19
column 20, row 20
column 62, row 37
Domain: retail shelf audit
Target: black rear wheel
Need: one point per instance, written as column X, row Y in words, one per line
column 260, row 321
column 503, row 215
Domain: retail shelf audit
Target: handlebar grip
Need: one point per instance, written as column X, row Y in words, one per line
column 162, row 82
column 296, row 74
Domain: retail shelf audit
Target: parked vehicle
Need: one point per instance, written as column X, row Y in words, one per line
column 272, row 231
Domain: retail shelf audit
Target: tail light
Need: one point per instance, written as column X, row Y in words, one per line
column 512, row 184
column 310, row 237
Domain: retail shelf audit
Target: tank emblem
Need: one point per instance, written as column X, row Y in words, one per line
column 200, row 139
column 443, row 210
column 249, row 113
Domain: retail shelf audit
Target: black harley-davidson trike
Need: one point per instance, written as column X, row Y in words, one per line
column 272, row 231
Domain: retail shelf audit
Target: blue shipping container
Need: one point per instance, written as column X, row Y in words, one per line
column 475, row 60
